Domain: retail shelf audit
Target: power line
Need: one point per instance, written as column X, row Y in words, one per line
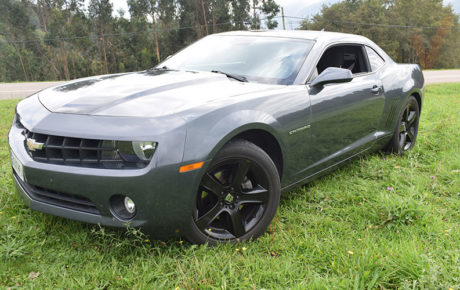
column 96, row 36
column 90, row 37
column 369, row 24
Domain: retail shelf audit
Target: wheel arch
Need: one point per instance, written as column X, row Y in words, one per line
column 261, row 135
column 418, row 97
column 267, row 142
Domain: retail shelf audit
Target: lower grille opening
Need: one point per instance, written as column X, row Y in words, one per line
column 61, row 199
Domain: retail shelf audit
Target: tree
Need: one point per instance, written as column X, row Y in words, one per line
column 241, row 16
column 14, row 23
column 393, row 23
column 58, row 39
column 100, row 12
column 270, row 9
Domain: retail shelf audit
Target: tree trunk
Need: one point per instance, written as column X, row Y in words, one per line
column 26, row 78
column 74, row 69
column 53, row 67
column 103, row 49
column 44, row 17
column 197, row 21
column 114, row 59
column 64, row 62
column 204, row 17
column 254, row 21
column 155, row 38
column 214, row 26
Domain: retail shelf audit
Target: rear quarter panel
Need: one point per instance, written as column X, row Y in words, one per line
column 400, row 81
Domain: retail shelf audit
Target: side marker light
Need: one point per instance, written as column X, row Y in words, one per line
column 190, row 167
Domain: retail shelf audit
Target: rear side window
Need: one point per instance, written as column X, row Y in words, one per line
column 375, row 60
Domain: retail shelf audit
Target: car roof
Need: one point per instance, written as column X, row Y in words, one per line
column 303, row 34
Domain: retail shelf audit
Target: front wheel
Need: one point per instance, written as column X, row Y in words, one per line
column 238, row 196
column 406, row 129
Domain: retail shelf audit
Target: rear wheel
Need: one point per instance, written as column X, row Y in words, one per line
column 237, row 197
column 406, row 130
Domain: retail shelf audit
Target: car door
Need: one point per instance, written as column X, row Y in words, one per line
column 344, row 116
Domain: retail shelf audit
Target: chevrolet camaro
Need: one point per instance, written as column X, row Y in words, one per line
column 202, row 145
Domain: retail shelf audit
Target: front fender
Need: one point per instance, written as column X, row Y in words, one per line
column 217, row 134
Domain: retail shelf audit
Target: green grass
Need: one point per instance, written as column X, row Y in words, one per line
column 345, row 230
column 437, row 69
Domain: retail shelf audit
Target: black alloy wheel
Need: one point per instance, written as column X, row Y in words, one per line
column 406, row 130
column 237, row 197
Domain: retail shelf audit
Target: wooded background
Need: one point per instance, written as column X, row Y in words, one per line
column 64, row 39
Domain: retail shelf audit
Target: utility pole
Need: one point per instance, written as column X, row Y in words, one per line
column 254, row 18
column 282, row 16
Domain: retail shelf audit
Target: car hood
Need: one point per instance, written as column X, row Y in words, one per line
column 151, row 93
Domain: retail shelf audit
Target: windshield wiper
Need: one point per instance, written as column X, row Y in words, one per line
column 162, row 68
column 235, row 77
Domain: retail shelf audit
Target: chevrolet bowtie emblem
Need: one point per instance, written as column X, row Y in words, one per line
column 34, row 145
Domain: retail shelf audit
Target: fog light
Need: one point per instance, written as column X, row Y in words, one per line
column 122, row 207
column 129, row 205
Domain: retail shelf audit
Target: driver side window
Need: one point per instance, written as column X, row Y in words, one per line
column 348, row 56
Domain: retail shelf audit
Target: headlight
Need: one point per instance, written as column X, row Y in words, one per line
column 136, row 151
column 144, row 150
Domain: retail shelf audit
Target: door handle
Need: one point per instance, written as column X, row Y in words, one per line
column 376, row 90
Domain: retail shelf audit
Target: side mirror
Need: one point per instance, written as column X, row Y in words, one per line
column 332, row 75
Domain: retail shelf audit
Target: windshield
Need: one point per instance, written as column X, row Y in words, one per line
column 268, row 60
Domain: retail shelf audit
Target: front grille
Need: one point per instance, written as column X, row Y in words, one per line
column 81, row 152
column 61, row 199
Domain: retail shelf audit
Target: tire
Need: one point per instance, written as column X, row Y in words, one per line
column 405, row 133
column 238, row 196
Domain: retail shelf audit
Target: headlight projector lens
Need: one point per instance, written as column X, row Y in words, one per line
column 136, row 151
column 144, row 150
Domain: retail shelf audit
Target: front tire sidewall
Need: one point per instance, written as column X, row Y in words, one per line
column 244, row 149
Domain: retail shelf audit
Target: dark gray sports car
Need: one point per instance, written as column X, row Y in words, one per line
column 202, row 145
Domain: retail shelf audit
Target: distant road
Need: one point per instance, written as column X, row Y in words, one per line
column 22, row 90
column 442, row 76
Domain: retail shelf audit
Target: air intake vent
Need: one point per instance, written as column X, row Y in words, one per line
column 77, row 152
column 49, row 196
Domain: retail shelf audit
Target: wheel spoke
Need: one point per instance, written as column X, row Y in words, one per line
column 256, row 195
column 411, row 118
column 203, row 221
column 238, row 228
column 406, row 114
column 230, row 199
column 210, row 183
column 411, row 135
column 402, row 127
column 402, row 139
column 240, row 172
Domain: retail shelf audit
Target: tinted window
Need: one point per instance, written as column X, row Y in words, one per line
column 375, row 60
column 349, row 57
column 259, row 59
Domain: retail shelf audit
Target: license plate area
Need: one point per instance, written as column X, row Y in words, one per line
column 17, row 166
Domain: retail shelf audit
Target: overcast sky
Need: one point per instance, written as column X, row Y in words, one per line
column 296, row 8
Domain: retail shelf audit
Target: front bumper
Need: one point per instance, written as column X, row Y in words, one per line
column 67, row 212
column 164, row 197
